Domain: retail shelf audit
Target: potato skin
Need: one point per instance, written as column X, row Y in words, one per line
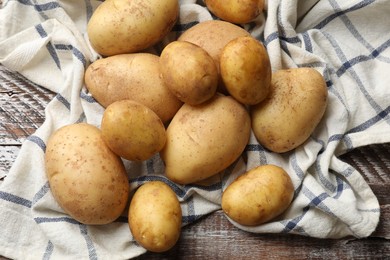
column 258, row 195
column 86, row 178
column 236, row 11
column 120, row 26
column 132, row 130
column 155, row 216
column 189, row 72
column 134, row 76
column 212, row 36
column 292, row 110
column 246, row 70
column 205, row 139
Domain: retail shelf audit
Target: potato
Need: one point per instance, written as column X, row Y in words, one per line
column 121, row 26
column 236, row 11
column 86, row 178
column 293, row 109
column 134, row 76
column 189, row 72
column 258, row 195
column 155, row 216
column 132, row 130
column 246, row 70
column 205, row 139
column 212, row 36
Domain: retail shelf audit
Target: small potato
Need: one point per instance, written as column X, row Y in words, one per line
column 258, row 195
column 292, row 110
column 155, row 216
column 121, row 26
column 134, row 76
column 205, row 139
column 189, row 72
column 132, row 130
column 236, row 11
column 86, row 178
column 246, row 70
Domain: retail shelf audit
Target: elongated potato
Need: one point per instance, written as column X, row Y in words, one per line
column 155, row 216
column 292, row 110
column 205, row 139
column 258, row 195
column 121, row 26
column 133, row 76
column 246, row 70
column 86, row 178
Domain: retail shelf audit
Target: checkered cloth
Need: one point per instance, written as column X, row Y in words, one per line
column 347, row 41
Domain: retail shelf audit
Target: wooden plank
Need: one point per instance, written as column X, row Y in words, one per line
column 215, row 237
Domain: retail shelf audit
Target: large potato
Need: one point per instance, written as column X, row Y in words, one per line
column 205, row 139
column 121, row 26
column 212, row 36
column 258, row 195
column 86, row 178
column 155, row 216
column 292, row 110
column 133, row 76
column 132, row 130
column 236, row 11
column 246, row 70
column 189, row 72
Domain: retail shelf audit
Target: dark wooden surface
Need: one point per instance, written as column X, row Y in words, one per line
column 22, row 106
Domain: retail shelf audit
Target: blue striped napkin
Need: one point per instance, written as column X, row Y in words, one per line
column 346, row 41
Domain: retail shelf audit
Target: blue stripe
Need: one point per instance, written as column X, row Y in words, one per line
column 291, row 226
column 65, row 102
column 76, row 52
column 335, row 15
column 362, row 58
column 15, row 199
column 41, row 7
column 48, row 251
column 49, row 46
column 42, row 220
column 42, row 192
column 38, row 141
column 87, row 97
column 90, row 245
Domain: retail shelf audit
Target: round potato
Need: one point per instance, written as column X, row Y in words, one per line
column 236, row 11
column 86, row 178
column 294, row 107
column 246, row 70
column 189, row 72
column 155, row 216
column 134, row 76
column 205, row 139
column 258, row 195
column 121, row 26
column 132, row 130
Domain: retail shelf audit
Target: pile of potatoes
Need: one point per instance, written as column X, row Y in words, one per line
column 195, row 104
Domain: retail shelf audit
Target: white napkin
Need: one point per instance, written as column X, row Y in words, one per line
column 347, row 41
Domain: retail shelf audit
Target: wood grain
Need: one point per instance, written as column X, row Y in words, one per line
column 22, row 105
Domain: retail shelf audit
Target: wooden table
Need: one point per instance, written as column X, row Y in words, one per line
column 22, row 106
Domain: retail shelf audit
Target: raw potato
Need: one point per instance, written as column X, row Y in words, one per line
column 86, row 178
column 134, row 76
column 155, row 216
column 258, row 196
column 121, row 26
column 189, row 72
column 132, row 130
column 236, row 11
column 293, row 109
column 205, row 139
column 212, row 36
column 246, row 70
